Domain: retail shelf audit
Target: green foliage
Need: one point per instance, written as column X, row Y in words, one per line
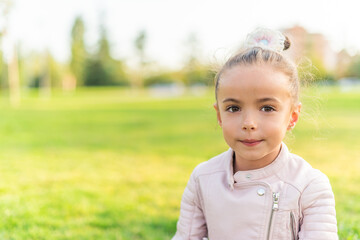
column 3, row 71
column 100, row 74
column 78, row 50
column 354, row 68
column 138, row 78
column 101, row 69
column 313, row 68
column 195, row 72
column 95, row 74
column 40, row 70
column 35, row 81
column 110, row 163
column 317, row 69
column 198, row 74
column 160, row 78
column 140, row 42
column 104, row 51
column 55, row 71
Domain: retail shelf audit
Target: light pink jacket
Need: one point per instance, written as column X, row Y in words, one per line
column 287, row 199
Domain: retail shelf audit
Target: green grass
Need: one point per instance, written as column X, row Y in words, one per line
column 107, row 163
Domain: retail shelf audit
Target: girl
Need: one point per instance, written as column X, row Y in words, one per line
column 257, row 189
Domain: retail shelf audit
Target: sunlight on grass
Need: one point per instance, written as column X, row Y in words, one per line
column 112, row 163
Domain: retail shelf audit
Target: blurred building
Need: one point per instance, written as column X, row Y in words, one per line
column 310, row 45
column 298, row 38
column 342, row 64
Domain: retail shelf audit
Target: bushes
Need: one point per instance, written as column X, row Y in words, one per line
column 188, row 77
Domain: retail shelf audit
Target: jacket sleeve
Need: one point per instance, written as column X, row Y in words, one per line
column 191, row 224
column 318, row 211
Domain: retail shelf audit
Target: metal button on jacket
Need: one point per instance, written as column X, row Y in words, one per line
column 261, row 192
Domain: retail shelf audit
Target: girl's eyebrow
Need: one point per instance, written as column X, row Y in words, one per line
column 231, row 100
column 261, row 100
column 267, row 99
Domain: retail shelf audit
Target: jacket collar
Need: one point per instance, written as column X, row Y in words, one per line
column 256, row 174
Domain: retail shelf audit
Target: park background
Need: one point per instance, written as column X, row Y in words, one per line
column 106, row 108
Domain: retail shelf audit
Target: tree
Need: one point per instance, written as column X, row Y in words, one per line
column 14, row 79
column 50, row 76
column 101, row 68
column 104, row 53
column 3, row 71
column 138, row 79
column 194, row 71
column 55, row 70
column 13, row 67
column 354, row 68
column 78, row 51
column 5, row 7
column 140, row 42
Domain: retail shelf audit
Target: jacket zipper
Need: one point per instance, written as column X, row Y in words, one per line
column 275, row 207
column 292, row 224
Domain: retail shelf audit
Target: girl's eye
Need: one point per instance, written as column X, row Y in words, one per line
column 233, row 109
column 267, row 109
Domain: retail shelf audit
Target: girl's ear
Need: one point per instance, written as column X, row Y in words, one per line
column 218, row 114
column 294, row 117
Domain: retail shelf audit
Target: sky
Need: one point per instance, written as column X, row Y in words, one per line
column 219, row 25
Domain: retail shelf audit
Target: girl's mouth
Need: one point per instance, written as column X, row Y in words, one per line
column 250, row 142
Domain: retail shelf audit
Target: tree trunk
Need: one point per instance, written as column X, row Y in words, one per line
column 14, row 82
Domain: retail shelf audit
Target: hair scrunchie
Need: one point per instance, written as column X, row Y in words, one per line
column 267, row 39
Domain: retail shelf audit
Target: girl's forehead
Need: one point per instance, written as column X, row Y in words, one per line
column 254, row 75
column 254, row 80
column 254, row 71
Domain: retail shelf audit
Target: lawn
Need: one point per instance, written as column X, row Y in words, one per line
column 107, row 163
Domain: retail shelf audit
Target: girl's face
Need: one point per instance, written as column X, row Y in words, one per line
column 255, row 109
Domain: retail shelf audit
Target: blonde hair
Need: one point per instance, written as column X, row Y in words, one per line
column 259, row 55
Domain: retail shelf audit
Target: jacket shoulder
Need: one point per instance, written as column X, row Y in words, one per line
column 301, row 172
column 213, row 165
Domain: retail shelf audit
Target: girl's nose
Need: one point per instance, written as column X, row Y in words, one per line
column 249, row 123
column 248, row 126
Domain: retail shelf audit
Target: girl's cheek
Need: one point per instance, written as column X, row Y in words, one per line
column 229, row 124
column 277, row 125
column 231, row 120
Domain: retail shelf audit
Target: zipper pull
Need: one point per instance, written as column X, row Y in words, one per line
column 276, row 201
